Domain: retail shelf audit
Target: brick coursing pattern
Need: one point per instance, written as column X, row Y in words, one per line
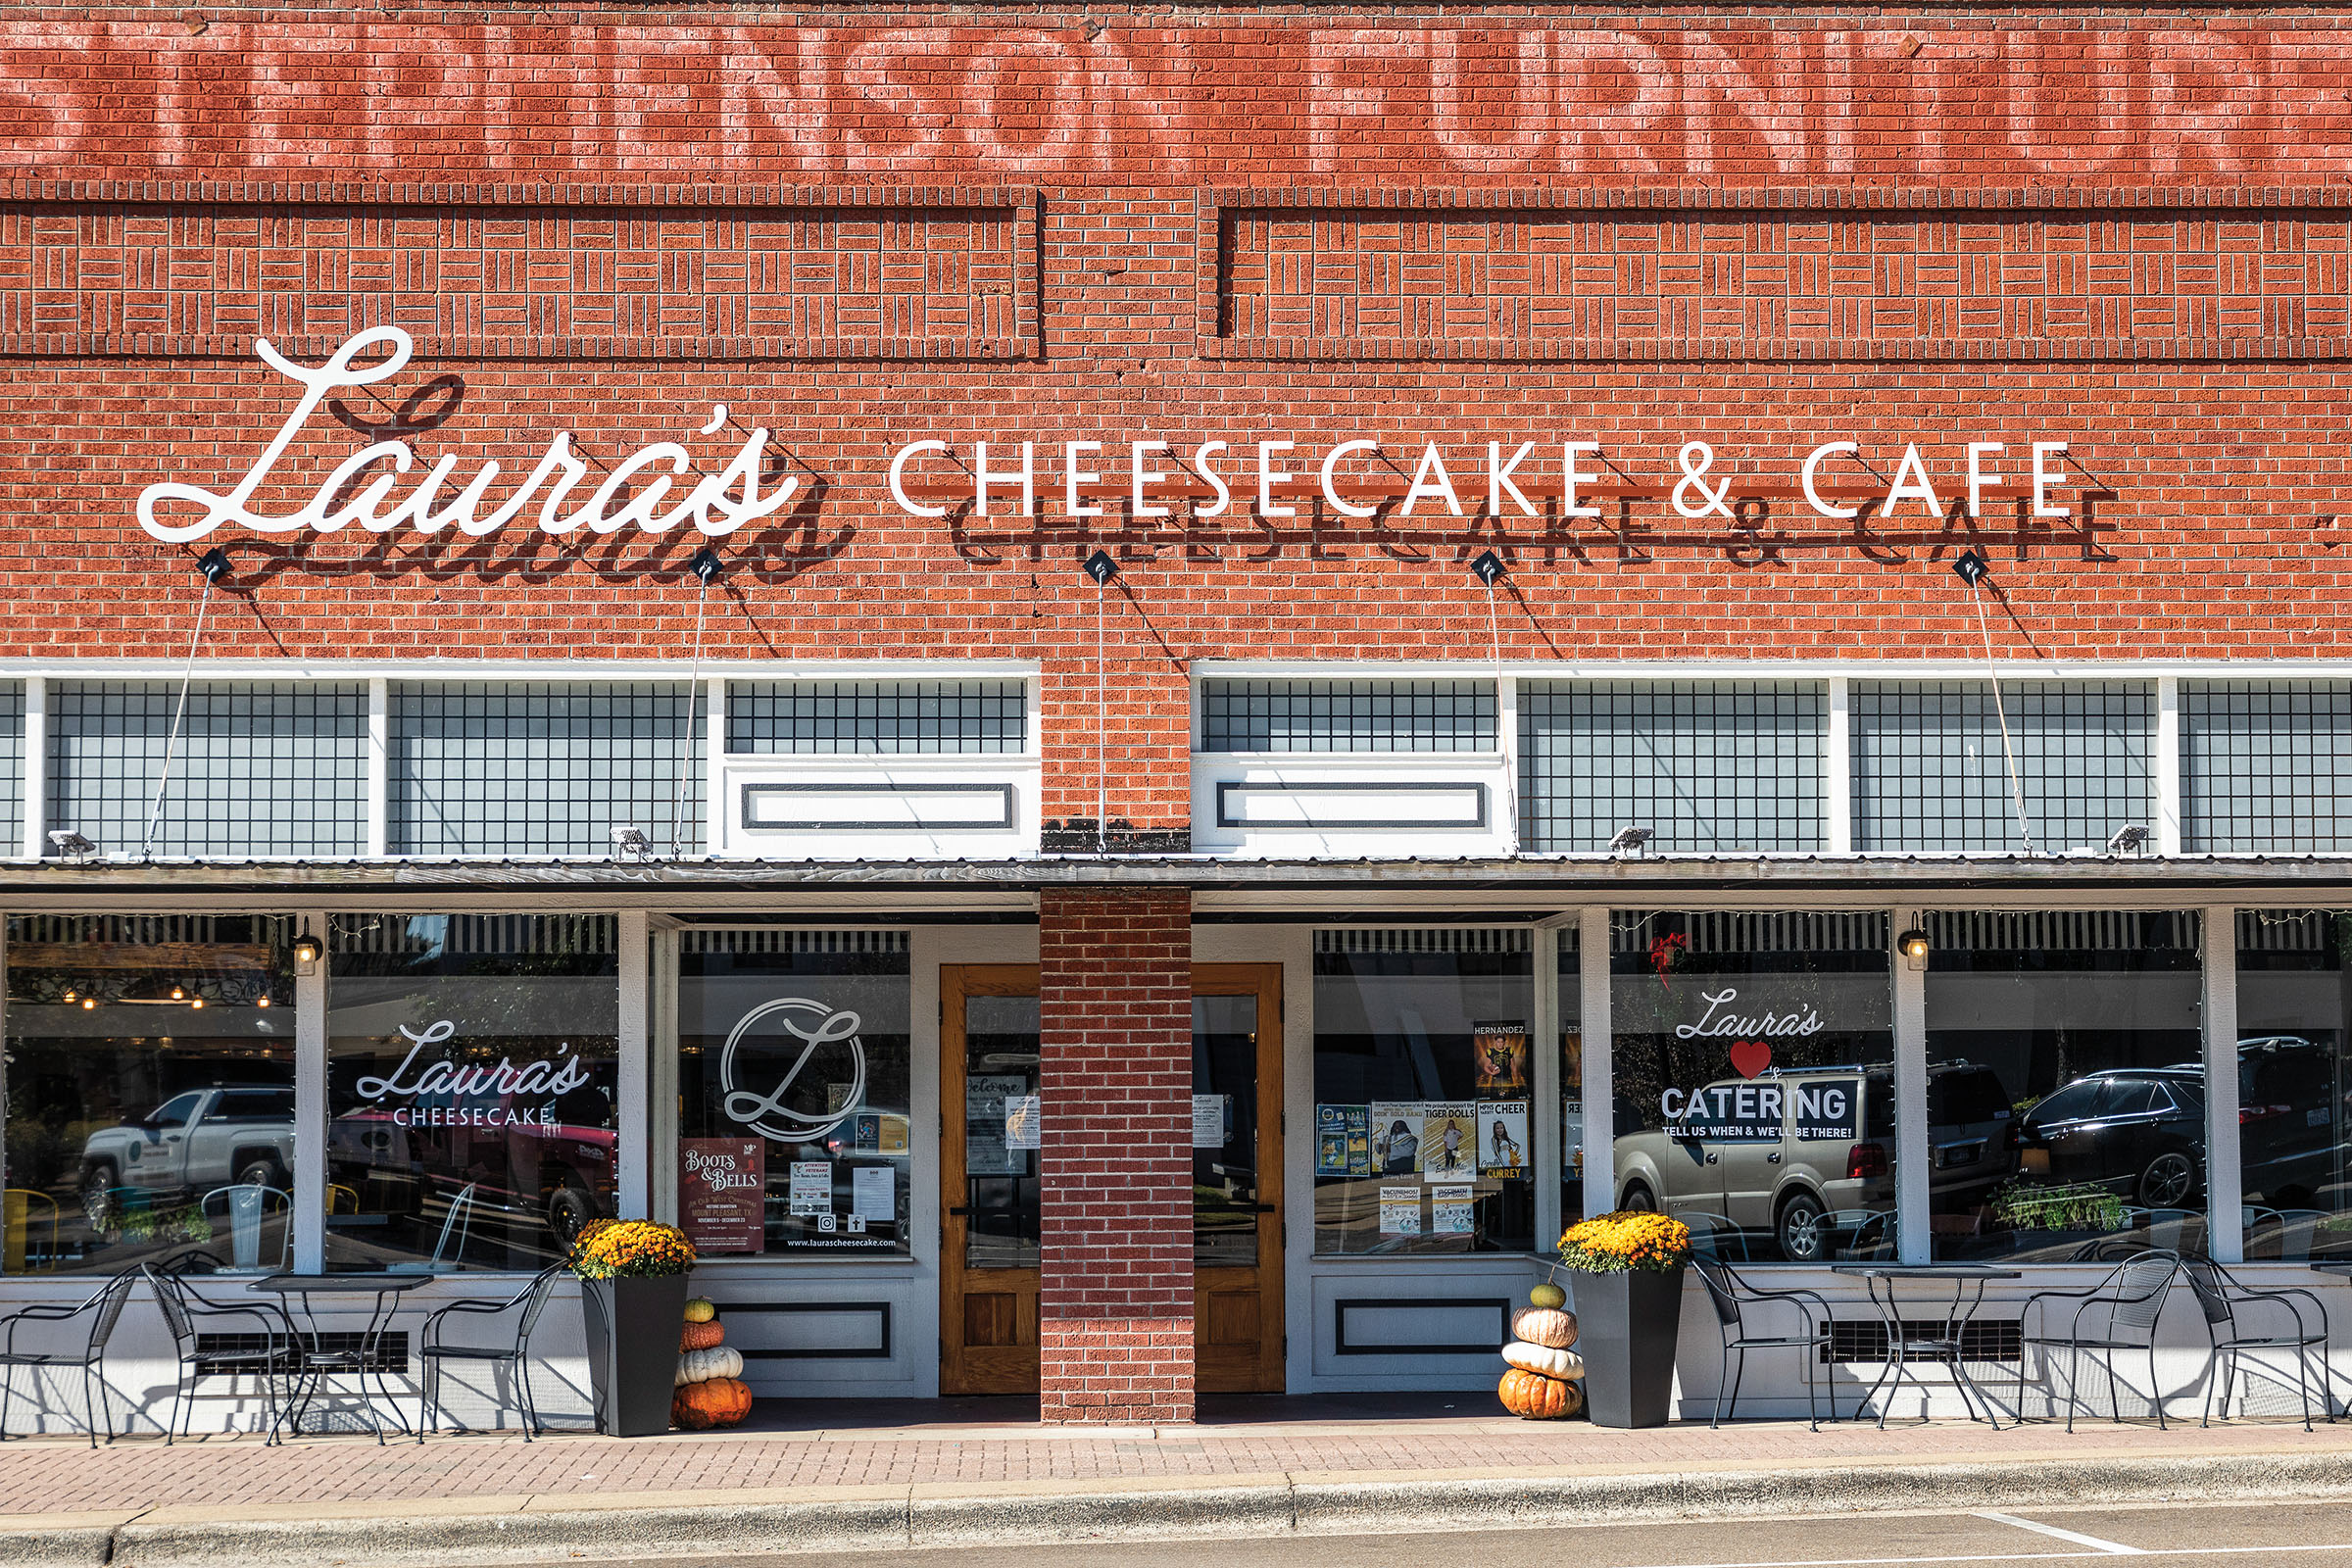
column 1115, row 1030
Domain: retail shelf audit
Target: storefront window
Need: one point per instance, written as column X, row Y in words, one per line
column 1572, row 1079
column 1754, row 1070
column 2294, row 1083
column 472, row 1078
column 2066, row 1096
column 150, row 1091
column 793, row 1129
column 1423, row 1091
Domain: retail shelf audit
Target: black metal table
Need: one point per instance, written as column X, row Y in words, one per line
column 1944, row 1342
column 319, row 1363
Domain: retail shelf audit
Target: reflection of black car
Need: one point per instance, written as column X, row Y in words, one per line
column 2136, row 1132
column 2289, row 1103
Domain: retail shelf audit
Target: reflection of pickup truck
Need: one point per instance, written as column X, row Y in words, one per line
column 193, row 1142
column 532, row 1173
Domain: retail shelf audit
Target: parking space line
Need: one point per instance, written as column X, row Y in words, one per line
column 2112, row 1548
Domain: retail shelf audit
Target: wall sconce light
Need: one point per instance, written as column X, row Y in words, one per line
column 308, row 951
column 1102, row 567
column 705, row 565
column 1913, row 945
column 213, row 563
column 1489, row 568
column 1971, row 567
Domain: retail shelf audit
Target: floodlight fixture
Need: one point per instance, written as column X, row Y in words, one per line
column 2130, row 839
column 71, row 845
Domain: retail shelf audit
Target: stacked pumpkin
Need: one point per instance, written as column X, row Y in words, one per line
column 1545, row 1379
column 711, row 1389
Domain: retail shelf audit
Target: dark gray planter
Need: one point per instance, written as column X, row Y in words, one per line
column 1627, row 1325
column 633, row 1327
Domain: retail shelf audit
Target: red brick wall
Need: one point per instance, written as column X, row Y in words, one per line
column 1115, row 1018
column 2129, row 230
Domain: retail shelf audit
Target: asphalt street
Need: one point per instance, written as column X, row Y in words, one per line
column 2174, row 1536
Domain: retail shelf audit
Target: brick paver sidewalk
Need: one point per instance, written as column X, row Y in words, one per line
column 54, row 1475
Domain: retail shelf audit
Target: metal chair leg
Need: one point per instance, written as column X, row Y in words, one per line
column 530, row 1404
column 89, row 1413
column 2155, row 1389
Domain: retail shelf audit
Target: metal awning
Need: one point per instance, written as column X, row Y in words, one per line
column 1566, row 875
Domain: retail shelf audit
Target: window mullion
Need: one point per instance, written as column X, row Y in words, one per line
column 2225, row 1184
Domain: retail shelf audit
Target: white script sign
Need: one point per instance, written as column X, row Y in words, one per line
column 708, row 506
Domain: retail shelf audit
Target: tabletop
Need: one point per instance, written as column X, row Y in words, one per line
column 1926, row 1271
column 351, row 1284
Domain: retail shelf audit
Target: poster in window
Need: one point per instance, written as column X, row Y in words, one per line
column 874, row 1194
column 813, row 1189
column 1342, row 1141
column 722, row 1187
column 1448, row 1142
column 1501, row 1049
column 1503, row 1138
column 1396, row 1137
column 1452, row 1210
column 985, row 1152
column 1401, row 1211
column 1212, row 1120
column 1024, row 1122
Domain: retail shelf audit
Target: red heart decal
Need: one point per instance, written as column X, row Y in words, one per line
column 1750, row 1056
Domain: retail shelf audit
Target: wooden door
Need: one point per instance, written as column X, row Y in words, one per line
column 988, row 1255
column 1236, row 1183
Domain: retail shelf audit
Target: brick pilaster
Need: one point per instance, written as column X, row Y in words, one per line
column 1115, row 1020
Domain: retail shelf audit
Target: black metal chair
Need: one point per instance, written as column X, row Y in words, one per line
column 2132, row 1294
column 2219, row 1296
column 433, row 1348
column 263, row 1343
column 102, row 1310
column 1731, row 1295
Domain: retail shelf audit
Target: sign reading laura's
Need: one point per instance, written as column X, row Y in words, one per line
column 359, row 489
column 547, row 1079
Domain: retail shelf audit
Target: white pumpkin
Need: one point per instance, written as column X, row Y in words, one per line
column 1547, row 1326
column 701, row 1366
column 1544, row 1360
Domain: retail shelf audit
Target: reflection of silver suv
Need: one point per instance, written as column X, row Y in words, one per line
column 1775, row 1153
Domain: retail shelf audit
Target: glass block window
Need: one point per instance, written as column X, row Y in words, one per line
column 1709, row 767
column 261, row 768
column 1929, row 771
column 1347, row 715
column 536, row 767
column 2266, row 765
column 868, row 718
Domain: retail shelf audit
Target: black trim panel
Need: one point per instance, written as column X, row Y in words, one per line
column 1340, row 1309
column 882, row 1317
column 1001, row 822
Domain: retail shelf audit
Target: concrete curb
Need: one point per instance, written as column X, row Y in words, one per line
column 815, row 1519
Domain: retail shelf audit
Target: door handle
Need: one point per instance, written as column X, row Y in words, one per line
column 1714, row 1158
column 1773, row 1159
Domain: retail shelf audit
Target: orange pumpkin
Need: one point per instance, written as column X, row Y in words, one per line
column 1538, row 1397
column 714, row 1402
column 700, row 1336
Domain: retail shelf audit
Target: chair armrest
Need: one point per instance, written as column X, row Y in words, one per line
column 2286, row 1297
column 1799, row 1299
column 2040, row 1296
column 35, row 1315
column 430, row 1333
column 281, row 1328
